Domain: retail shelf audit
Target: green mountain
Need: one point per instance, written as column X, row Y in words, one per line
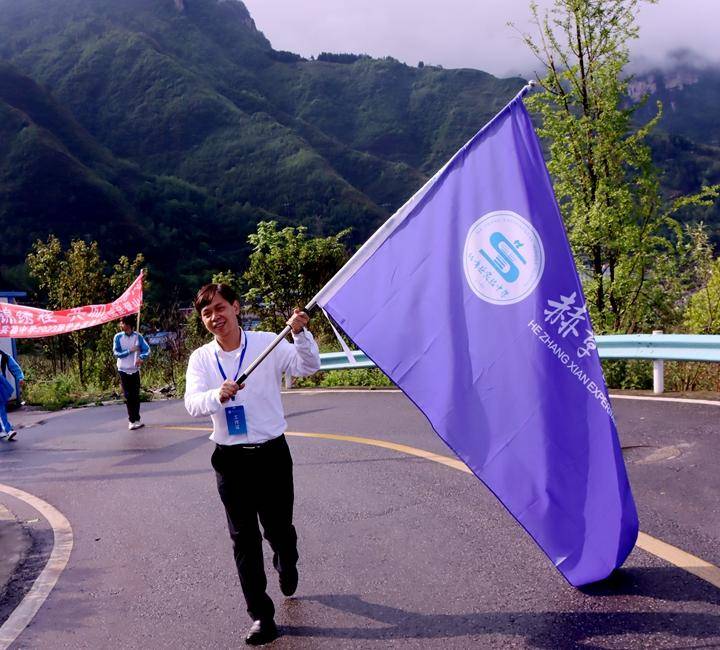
column 172, row 126
column 192, row 90
column 48, row 164
column 56, row 178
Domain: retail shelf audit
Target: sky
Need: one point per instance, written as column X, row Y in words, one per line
column 467, row 33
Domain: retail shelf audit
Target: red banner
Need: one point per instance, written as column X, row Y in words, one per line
column 20, row 322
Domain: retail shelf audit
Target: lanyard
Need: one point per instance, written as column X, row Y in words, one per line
column 242, row 356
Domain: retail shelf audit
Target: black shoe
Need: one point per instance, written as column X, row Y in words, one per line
column 262, row 632
column 289, row 581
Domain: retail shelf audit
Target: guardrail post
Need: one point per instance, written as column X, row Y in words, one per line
column 288, row 380
column 658, row 372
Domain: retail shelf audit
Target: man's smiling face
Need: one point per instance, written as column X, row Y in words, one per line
column 220, row 317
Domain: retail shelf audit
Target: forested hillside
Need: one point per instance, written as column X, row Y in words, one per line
column 172, row 127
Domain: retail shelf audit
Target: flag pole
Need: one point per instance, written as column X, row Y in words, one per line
column 276, row 341
column 398, row 218
column 142, row 275
column 528, row 87
column 370, row 245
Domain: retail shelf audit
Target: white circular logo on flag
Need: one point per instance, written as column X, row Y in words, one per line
column 503, row 258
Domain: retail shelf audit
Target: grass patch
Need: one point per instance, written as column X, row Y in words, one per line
column 363, row 377
column 64, row 390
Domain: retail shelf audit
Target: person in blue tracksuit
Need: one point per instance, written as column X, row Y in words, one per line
column 131, row 350
column 6, row 390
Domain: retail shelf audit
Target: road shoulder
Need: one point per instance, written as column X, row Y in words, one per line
column 15, row 544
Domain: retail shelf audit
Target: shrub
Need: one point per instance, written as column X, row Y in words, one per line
column 62, row 390
column 628, row 373
column 366, row 377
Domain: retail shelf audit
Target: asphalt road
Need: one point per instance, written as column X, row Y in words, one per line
column 396, row 551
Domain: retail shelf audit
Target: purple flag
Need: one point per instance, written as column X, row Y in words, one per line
column 469, row 300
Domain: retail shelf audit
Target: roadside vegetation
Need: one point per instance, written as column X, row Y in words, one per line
column 68, row 370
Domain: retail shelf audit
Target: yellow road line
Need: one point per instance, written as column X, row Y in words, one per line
column 403, row 449
column 675, row 556
column 23, row 614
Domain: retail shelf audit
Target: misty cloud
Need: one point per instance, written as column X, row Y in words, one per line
column 471, row 33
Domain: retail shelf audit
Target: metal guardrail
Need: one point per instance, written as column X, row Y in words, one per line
column 656, row 347
column 339, row 361
column 670, row 347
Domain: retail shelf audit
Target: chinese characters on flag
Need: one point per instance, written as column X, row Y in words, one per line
column 18, row 321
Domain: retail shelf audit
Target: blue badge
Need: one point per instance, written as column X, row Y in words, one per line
column 236, row 424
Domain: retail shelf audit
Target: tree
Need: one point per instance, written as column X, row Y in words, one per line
column 287, row 268
column 702, row 315
column 43, row 265
column 70, row 278
column 626, row 243
column 124, row 273
column 229, row 278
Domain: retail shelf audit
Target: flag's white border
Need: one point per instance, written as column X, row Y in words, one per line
column 379, row 236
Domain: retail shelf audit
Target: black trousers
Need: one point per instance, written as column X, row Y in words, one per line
column 255, row 482
column 131, row 390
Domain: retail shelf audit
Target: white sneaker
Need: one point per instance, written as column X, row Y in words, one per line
column 136, row 425
column 11, row 435
column 131, row 425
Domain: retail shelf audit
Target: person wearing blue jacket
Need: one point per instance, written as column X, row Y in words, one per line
column 6, row 390
column 131, row 350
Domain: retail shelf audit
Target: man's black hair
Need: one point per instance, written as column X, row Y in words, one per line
column 207, row 294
